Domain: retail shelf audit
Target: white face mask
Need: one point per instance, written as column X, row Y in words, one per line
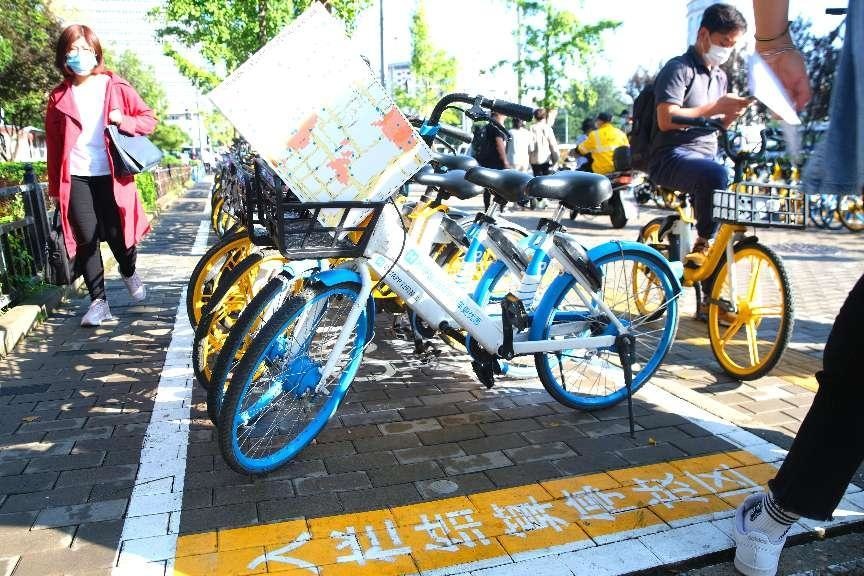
column 717, row 55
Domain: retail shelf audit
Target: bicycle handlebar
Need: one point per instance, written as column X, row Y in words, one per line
column 453, row 132
column 715, row 124
column 502, row 106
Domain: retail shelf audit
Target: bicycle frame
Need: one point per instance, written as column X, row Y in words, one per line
column 440, row 301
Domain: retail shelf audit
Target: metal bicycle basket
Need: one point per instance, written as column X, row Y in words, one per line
column 307, row 230
column 761, row 204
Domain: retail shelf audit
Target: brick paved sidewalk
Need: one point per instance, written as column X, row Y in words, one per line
column 77, row 404
column 74, row 405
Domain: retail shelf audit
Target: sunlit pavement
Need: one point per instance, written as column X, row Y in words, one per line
column 108, row 461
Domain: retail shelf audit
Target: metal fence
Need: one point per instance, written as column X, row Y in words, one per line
column 22, row 241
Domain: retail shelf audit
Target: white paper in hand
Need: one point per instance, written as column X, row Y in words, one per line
column 765, row 87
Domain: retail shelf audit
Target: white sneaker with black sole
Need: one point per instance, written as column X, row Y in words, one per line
column 98, row 313
column 136, row 287
column 755, row 553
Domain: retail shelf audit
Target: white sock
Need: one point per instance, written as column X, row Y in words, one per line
column 769, row 518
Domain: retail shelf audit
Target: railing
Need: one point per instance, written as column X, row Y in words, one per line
column 170, row 177
column 22, row 241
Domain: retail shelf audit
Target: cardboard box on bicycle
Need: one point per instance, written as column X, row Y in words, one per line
column 309, row 105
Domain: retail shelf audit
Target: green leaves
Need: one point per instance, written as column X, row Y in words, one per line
column 550, row 41
column 28, row 32
column 226, row 32
column 433, row 71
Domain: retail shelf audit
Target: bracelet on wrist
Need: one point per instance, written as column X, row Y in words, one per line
column 777, row 51
column 777, row 37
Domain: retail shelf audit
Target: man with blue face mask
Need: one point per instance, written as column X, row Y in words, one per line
column 694, row 85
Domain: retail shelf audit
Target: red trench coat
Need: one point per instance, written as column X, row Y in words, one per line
column 62, row 128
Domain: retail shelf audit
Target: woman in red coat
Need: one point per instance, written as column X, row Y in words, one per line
column 95, row 202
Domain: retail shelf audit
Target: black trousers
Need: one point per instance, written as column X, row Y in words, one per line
column 829, row 446
column 94, row 216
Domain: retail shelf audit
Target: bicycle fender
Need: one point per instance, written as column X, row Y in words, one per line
column 336, row 276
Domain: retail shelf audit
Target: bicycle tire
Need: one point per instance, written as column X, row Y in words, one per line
column 610, row 372
column 726, row 356
column 254, row 316
column 219, row 258
column 851, row 212
column 237, row 418
column 230, row 297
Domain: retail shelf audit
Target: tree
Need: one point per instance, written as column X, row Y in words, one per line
column 549, row 41
column 433, row 72
column 227, row 32
column 167, row 137
column 639, row 80
column 219, row 129
column 28, row 31
column 588, row 99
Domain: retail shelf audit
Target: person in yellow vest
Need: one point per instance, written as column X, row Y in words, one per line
column 601, row 144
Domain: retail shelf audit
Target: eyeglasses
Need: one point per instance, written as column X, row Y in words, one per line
column 79, row 50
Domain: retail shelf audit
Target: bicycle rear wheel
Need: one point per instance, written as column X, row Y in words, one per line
column 761, row 325
column 593, row 379
column 277, row 403
column 851, row 213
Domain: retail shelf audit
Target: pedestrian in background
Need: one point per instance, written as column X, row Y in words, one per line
column 829, row 446
column 602, row 143
column 544, row 151
column 519, row 146
column 490, row 150
column 95, row 202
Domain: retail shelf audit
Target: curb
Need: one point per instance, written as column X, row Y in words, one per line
column 18, row 321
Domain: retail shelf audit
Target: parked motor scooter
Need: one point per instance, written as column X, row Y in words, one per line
column 621, row 206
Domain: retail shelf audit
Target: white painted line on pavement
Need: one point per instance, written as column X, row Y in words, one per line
column 200, row 245
column 149, row 538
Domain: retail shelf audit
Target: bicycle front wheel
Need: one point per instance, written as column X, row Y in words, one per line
column 851, row 213
column 593, row 379
column 750, row 337
column 277, row 403
column 235, row 290
column 205, row 276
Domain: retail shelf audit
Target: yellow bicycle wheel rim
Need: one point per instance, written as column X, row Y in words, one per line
column 233, row 302
column 223, row 259
column 648, row 294
column 757, row 331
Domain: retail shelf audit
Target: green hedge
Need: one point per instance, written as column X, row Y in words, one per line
column 12, row 173
column 147, row 190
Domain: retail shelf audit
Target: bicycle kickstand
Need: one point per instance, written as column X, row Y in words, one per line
column 626, row 346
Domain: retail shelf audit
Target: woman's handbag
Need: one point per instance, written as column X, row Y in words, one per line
column 59, row 270
column 132, row 154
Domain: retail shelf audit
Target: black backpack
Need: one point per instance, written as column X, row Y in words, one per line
column 645, row 126
column 59, row 269
column 644, row 129
column 483, row 147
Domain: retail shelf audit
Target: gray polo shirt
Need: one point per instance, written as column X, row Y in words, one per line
column 687, row 82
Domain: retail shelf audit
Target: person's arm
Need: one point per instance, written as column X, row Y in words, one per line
column 774, row 44
column 501, row 147
column 135, row 118
column 670, row 88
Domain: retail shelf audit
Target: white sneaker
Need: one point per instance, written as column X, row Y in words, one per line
column 755, row 553
column 136, row 287
column 97, row 313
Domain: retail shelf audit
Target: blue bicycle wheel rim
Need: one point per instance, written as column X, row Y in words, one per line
column 313, row 428
column 605, row 401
